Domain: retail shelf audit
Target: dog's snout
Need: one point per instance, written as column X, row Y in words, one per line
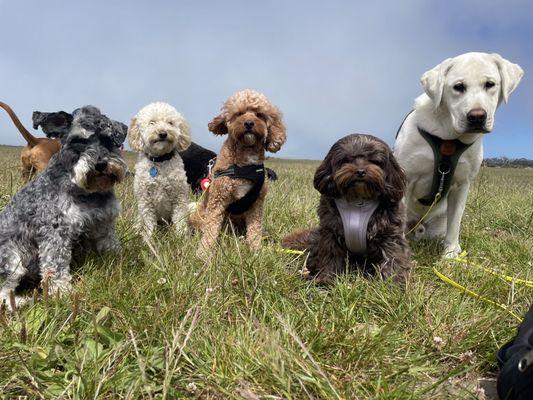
column 476, row 116
column 361, row 173
column 249, row 124
column 100, row 166
column 163, row 135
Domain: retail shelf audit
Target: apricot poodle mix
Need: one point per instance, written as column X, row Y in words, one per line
column 238, row 188
column 359, row 180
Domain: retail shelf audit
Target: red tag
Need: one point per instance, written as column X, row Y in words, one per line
column 447, row 148
column 204, row 184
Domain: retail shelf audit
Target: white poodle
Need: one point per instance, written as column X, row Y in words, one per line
column 158, row 132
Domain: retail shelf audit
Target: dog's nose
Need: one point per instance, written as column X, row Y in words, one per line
column 361, row 173
column 100, row 166
column 163, row 135
column 476, row 116
column 249, row 124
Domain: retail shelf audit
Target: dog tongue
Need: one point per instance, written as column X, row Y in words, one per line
column 249, row 139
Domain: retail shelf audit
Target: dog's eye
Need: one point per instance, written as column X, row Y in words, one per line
column 171, row 123
column 489, row 84
column 379, row 163
column 152, row 122
column 459, row 87
column 260, row 115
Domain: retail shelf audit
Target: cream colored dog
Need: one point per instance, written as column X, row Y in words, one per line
column 158, row 132
column 458, row 106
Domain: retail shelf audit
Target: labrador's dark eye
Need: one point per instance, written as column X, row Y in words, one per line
column 489, row 84
column 459, row 87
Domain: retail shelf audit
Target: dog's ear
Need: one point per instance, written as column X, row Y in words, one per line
column 120, row 131
column 433, row 81
column 134, row 136
column 218, row 125
column 53, row 124
column 277, row 133
column 510, row 74
column 395, row 180
column 323, row 181
column 184, row 140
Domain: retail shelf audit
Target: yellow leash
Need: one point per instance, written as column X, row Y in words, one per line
column 435, row 201
column 462, row 259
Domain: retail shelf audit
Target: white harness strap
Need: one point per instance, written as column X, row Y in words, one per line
column 355, row 216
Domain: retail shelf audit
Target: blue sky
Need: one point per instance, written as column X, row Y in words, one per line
column 334, row 67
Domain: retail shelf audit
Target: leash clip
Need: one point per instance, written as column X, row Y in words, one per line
column 443, row 177
column 210, row 166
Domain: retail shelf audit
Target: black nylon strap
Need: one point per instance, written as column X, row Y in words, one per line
column 164, row 157
column 444, row 166
column 254, row 173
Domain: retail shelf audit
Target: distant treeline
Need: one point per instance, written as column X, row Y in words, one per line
column 507, row 162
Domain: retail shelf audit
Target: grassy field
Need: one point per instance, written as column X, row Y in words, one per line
column 247, row 326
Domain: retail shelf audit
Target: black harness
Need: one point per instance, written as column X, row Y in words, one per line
column 446, row 154
column 254, row 173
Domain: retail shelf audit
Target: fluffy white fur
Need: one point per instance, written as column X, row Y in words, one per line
column 165, row 197
column 442, row 110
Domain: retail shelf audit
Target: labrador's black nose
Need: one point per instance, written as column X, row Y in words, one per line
column 476, row 116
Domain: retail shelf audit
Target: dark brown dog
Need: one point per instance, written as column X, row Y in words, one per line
column 35, row 155
column 358, row 168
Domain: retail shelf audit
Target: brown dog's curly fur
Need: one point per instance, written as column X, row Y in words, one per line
column 384, row 180
column 253, row 125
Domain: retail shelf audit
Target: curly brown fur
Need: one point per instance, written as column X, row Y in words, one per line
column 253, row 125
column 357, row 166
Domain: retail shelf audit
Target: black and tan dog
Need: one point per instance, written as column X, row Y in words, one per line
column 361, row 215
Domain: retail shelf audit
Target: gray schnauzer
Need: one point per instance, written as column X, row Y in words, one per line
column 70, row 207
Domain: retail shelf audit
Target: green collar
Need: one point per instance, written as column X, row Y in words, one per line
column 446, row 154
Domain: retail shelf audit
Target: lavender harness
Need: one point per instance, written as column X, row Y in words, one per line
column 355, row 216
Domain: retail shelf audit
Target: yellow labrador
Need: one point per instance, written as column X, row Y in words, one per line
column 440, row 143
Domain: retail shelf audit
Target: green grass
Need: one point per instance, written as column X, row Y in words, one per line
column 247, row 325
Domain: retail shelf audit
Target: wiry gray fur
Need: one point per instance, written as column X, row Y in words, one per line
column 60, row 212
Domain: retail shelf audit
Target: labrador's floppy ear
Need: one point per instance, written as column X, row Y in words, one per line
column 53, row 124
column 134, row 135
column 510, row 73
column 218, row 125
column 433, row 81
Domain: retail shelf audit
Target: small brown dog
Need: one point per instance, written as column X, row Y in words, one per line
column 361, row 215
column 35, row 155
column 238, row 188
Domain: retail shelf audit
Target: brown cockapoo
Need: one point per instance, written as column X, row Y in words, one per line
column 361, row 215
column 238, row 188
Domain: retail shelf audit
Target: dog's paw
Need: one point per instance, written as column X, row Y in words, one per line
column 61, row 286
column 452, row 251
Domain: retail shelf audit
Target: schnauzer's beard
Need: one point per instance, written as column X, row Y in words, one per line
column 87, row 178
column 353, row 187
